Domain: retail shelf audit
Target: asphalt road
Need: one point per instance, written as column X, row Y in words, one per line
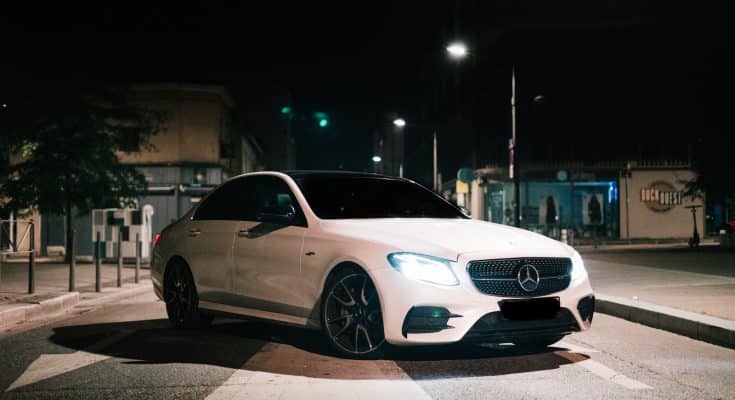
column 127, row 350
column 710, row 260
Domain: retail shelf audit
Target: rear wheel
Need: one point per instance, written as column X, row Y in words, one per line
column 182, row 301
column 351, row 315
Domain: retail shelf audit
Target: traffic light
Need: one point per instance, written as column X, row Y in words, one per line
column 322, row 119
column 285, row 110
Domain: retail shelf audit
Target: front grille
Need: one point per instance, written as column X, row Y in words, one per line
column 500, row 277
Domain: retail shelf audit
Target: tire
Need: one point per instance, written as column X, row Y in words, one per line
column 182, row 301
column 351, row 315
column 537, row 343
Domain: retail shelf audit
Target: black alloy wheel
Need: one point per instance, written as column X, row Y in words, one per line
column 182, row 301
column 351, row 315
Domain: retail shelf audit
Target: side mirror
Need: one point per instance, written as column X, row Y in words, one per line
column 279, row 214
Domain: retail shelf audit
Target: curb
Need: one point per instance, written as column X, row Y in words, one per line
column 696, row 326
column 115, row 294
column 27, row 312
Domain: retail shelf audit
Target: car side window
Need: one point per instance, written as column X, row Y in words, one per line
column 273, row 191
column 231, row 201
column 242, row 199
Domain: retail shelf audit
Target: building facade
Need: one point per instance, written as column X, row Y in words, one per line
column 615, row 200
column 196, row 150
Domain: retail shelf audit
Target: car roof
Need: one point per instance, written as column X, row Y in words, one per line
column 334, row 173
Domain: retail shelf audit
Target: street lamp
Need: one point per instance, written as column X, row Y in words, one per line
column 399, row 122
column 457, row 50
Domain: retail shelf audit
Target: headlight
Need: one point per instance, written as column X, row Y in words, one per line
column 578, row 271
column 423, row 268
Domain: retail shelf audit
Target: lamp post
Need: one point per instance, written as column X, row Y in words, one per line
column 400, row 123
column 457, row 50
column 514, row 172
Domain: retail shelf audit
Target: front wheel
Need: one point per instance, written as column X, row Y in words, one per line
column 351, row 315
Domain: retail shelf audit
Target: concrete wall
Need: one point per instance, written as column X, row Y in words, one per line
column 197, row 120
column 675, row 222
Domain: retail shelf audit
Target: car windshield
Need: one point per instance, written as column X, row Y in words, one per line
column 346, row 197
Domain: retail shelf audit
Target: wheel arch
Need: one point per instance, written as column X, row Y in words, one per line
column 342, row 265
column 173, row 260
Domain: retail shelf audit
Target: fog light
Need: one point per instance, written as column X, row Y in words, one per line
column 426, row 319
column 586, row 308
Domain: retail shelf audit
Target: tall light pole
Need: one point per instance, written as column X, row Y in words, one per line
column 436, row 165
column 514, row 173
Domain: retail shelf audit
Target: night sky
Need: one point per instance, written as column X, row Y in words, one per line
column 619, row 79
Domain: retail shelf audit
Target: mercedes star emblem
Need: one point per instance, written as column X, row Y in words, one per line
column 528, row 278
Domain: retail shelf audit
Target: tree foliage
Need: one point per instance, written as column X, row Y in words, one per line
column 63, row 144
column 712, row 160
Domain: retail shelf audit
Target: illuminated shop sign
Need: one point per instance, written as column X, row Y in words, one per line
column 660, row 196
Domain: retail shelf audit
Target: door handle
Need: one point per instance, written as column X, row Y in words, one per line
column 243, row 233
column 194, row 232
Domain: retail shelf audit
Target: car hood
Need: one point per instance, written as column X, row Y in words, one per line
column 450, row 238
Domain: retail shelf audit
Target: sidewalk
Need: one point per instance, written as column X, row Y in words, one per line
column 690, row 292
column 51, row 296
column 54, row 278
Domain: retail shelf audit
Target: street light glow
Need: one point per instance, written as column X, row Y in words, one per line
column 377, row 159
column 399, row 122
column 457, row 50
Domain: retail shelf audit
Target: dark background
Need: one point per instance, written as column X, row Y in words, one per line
column 620, row 80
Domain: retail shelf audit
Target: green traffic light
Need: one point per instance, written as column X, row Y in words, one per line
column 286, row 110
column 322, row 119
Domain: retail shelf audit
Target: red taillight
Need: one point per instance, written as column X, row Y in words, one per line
column 156, row 239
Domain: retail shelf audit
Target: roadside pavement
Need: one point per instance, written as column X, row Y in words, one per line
column 685, row 291
column 51, row 296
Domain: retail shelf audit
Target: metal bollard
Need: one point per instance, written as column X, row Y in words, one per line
column 32, row 261
column 119, row 256
column 97, row 272
column 138, row 251
column 72, row 261
column 1, row 251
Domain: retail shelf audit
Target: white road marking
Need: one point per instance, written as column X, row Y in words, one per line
column 603, row 371
column 244, row 384
column 574, row 348
column 50, row 365
column 264, row 376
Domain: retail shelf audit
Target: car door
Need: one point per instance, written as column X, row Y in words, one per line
column 267, row 254
column 207, row 246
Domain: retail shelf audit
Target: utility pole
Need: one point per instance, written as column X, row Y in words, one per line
column 290, row 150
column 514, row 173
column 436, row 184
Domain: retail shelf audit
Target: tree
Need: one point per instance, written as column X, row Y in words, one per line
column 712, row 160
column 64, row 142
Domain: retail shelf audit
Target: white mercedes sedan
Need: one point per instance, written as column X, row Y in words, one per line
column 370, row 260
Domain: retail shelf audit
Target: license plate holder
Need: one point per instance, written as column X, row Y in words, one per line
column 530, row 309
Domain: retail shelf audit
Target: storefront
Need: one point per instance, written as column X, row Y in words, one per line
column 589, row 201
column 656, row 206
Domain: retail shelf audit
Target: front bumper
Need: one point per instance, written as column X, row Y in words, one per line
column 471, row 314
